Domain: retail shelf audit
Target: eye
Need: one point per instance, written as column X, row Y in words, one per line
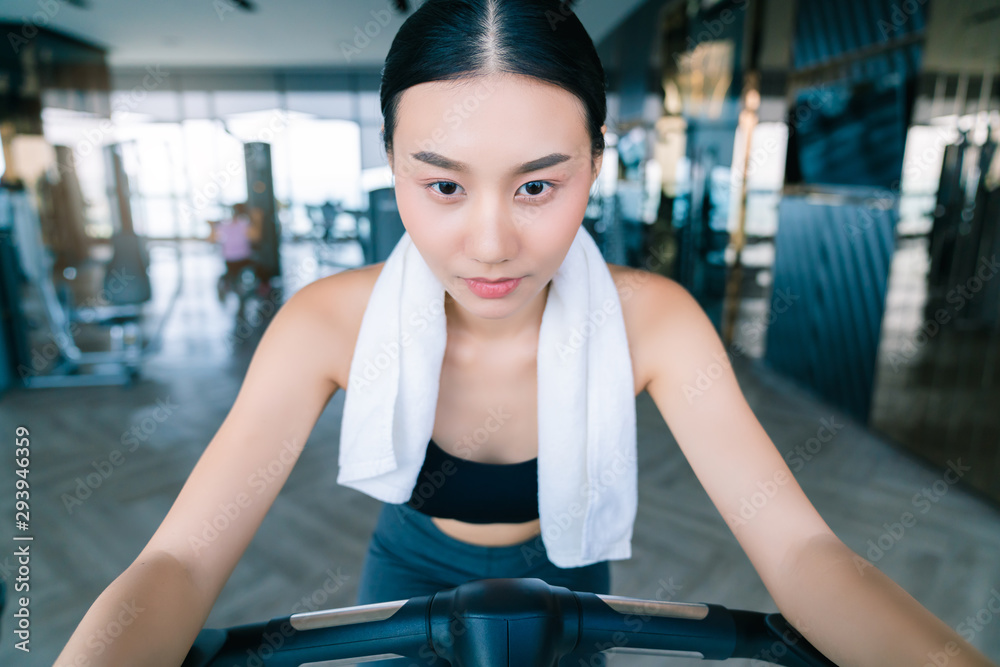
column 447, row 185
column 535, row 191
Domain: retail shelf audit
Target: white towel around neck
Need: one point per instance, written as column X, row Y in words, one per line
column 587, row 472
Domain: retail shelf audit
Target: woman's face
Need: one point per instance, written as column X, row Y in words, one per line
column 469, row 195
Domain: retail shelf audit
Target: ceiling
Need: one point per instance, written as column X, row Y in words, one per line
column 280, row 33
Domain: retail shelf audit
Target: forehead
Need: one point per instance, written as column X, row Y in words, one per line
column 497, row 113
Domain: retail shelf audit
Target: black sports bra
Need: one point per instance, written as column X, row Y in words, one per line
column 449, row 487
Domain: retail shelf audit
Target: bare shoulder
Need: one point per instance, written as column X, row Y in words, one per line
column 658, row 313
column 648, row 298
column 339, row 301
column 354, row 285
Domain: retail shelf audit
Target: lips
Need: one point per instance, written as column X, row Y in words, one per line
column 492, row 280
column 492, row 290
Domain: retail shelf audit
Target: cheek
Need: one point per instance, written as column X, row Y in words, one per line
column 581, row 194
column 421, row 218
column 423, row 221
column 416, row 219
column 560, row 219
column 572, row 208
column 410, row 206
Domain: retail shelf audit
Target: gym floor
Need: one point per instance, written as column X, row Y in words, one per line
column 308, row 552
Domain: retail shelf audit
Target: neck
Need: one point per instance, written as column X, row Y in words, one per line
column 520, row 326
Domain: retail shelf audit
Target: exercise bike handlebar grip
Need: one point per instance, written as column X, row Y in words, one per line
column 682, row 629
column 397, row 628
column 508, row 621
column 771, row 638
column 679, row 629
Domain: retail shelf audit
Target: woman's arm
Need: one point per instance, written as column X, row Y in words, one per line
column 149, row 615
column 162, row 599
column 836, row 593
column 853, row 613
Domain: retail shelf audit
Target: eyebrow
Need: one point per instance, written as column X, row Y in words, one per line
column 441, row 161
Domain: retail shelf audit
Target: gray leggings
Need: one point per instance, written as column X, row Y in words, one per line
column 409, row 556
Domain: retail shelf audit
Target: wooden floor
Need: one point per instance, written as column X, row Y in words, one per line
column 315, row 535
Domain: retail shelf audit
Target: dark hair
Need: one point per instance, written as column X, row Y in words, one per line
column 456, row 39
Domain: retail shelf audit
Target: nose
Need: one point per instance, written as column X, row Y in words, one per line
column 492, row 235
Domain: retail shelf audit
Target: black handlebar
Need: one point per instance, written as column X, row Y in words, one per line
column 491, row 622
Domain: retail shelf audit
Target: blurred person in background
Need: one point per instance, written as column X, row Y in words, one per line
column 236, row 237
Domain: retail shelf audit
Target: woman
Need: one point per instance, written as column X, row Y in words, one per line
column 236, row 235
column 494, row 117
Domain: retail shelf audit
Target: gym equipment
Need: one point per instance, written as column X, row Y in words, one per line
column 493, row 622
column 966, row 230
column 27, row 263
column 260, row 195
column 246, row 284
column 62, row 211
column 328, row 235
